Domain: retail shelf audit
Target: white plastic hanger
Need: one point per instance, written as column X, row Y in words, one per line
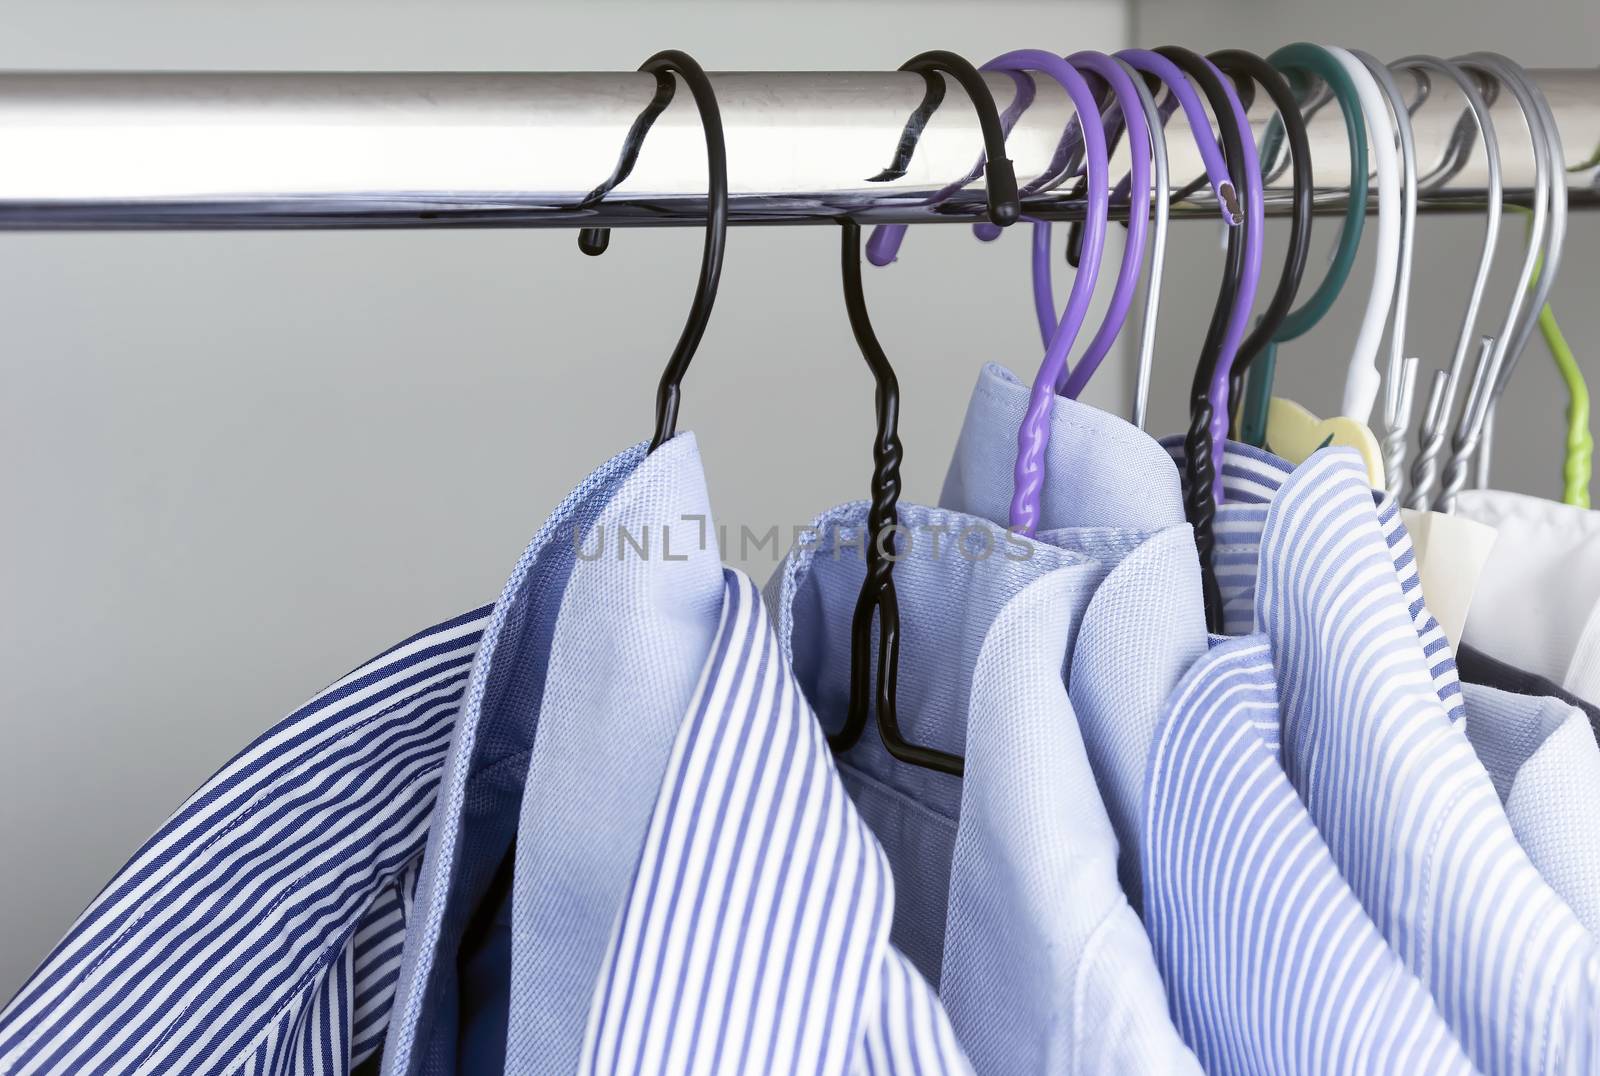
column 1363, row 380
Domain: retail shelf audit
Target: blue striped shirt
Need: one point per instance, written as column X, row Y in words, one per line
column 754, row 936
column 1272, row 963
column 1405, row 806
column 259, row 930
column 1251, row 478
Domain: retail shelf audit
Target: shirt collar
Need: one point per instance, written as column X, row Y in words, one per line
column 983, row 646
column 1100, row 471
column 636, row 626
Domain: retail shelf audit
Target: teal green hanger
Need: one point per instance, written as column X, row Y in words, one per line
column 1300, row 63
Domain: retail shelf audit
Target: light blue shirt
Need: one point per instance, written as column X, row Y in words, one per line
column 1545, row 764
column 673, row 858
column 259, row 930
column 1143, row 630
column 633, row 634
column 441, row 1014
column 1007, row 894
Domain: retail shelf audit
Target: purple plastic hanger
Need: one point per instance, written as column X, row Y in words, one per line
column 1178, row 84
column 1132, row 115
column 1034, row 434
column 1239, row 317
column 1200, row 123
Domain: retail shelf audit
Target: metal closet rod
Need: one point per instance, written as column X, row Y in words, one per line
column 295, row 150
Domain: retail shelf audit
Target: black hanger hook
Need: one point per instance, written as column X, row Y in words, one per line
column 1248, row 69
column 999, row 176
column 594, row 241
column 1200, row 501
column 877, row 597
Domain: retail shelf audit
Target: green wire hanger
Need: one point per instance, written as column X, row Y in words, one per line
column 1299, row 63
column 1577, row 467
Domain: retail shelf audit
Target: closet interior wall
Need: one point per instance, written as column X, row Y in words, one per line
column 1531, row 424
column 234, row 461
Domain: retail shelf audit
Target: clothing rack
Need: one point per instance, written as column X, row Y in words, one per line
column 282, row 150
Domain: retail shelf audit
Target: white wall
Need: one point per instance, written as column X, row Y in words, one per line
column 237, row 465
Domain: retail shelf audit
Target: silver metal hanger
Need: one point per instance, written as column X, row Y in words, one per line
column 1400, row 379
column 1468, row 434
column 1161, row 192
column 1445, row 382
column 1549, row 136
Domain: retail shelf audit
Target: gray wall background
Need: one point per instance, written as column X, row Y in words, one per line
column 236, row 465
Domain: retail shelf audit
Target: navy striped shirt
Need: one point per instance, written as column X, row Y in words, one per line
column 259, row 931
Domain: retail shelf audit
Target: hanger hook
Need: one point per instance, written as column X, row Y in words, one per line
column 1299, row 62
column 1208, row 407
column 1432, row 433
column 1547, row 137
column 1473, row 432
column 1248, row 68
column 1398, row 387
column 594, row 241
column 877, row 587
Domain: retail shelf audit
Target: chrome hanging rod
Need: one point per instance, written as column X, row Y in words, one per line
column 271, row 150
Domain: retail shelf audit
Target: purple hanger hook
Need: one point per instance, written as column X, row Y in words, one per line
column 1200, row 124
column 1033, row 436
column 1239, row 316
column 1153, row 63
column 1132, row 115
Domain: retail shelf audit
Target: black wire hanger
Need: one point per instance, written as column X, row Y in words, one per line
column 877, row 589
column 1247, row 68
column 1200, row 500
column 594, row 241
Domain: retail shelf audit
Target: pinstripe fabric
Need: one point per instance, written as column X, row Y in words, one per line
column 1251, row 478
column 259, row 930
column 755, row 934
column 1404, row 805
column 1252, row 921
column 1271, row 962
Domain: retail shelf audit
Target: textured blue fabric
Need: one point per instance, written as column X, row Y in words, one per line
column 1542, row 756
column 1099, row 471
column 1405, row 807
column 753, row 936
column 473, row 825
column 633, row 636
column 1006, row 890
column 259, row 931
